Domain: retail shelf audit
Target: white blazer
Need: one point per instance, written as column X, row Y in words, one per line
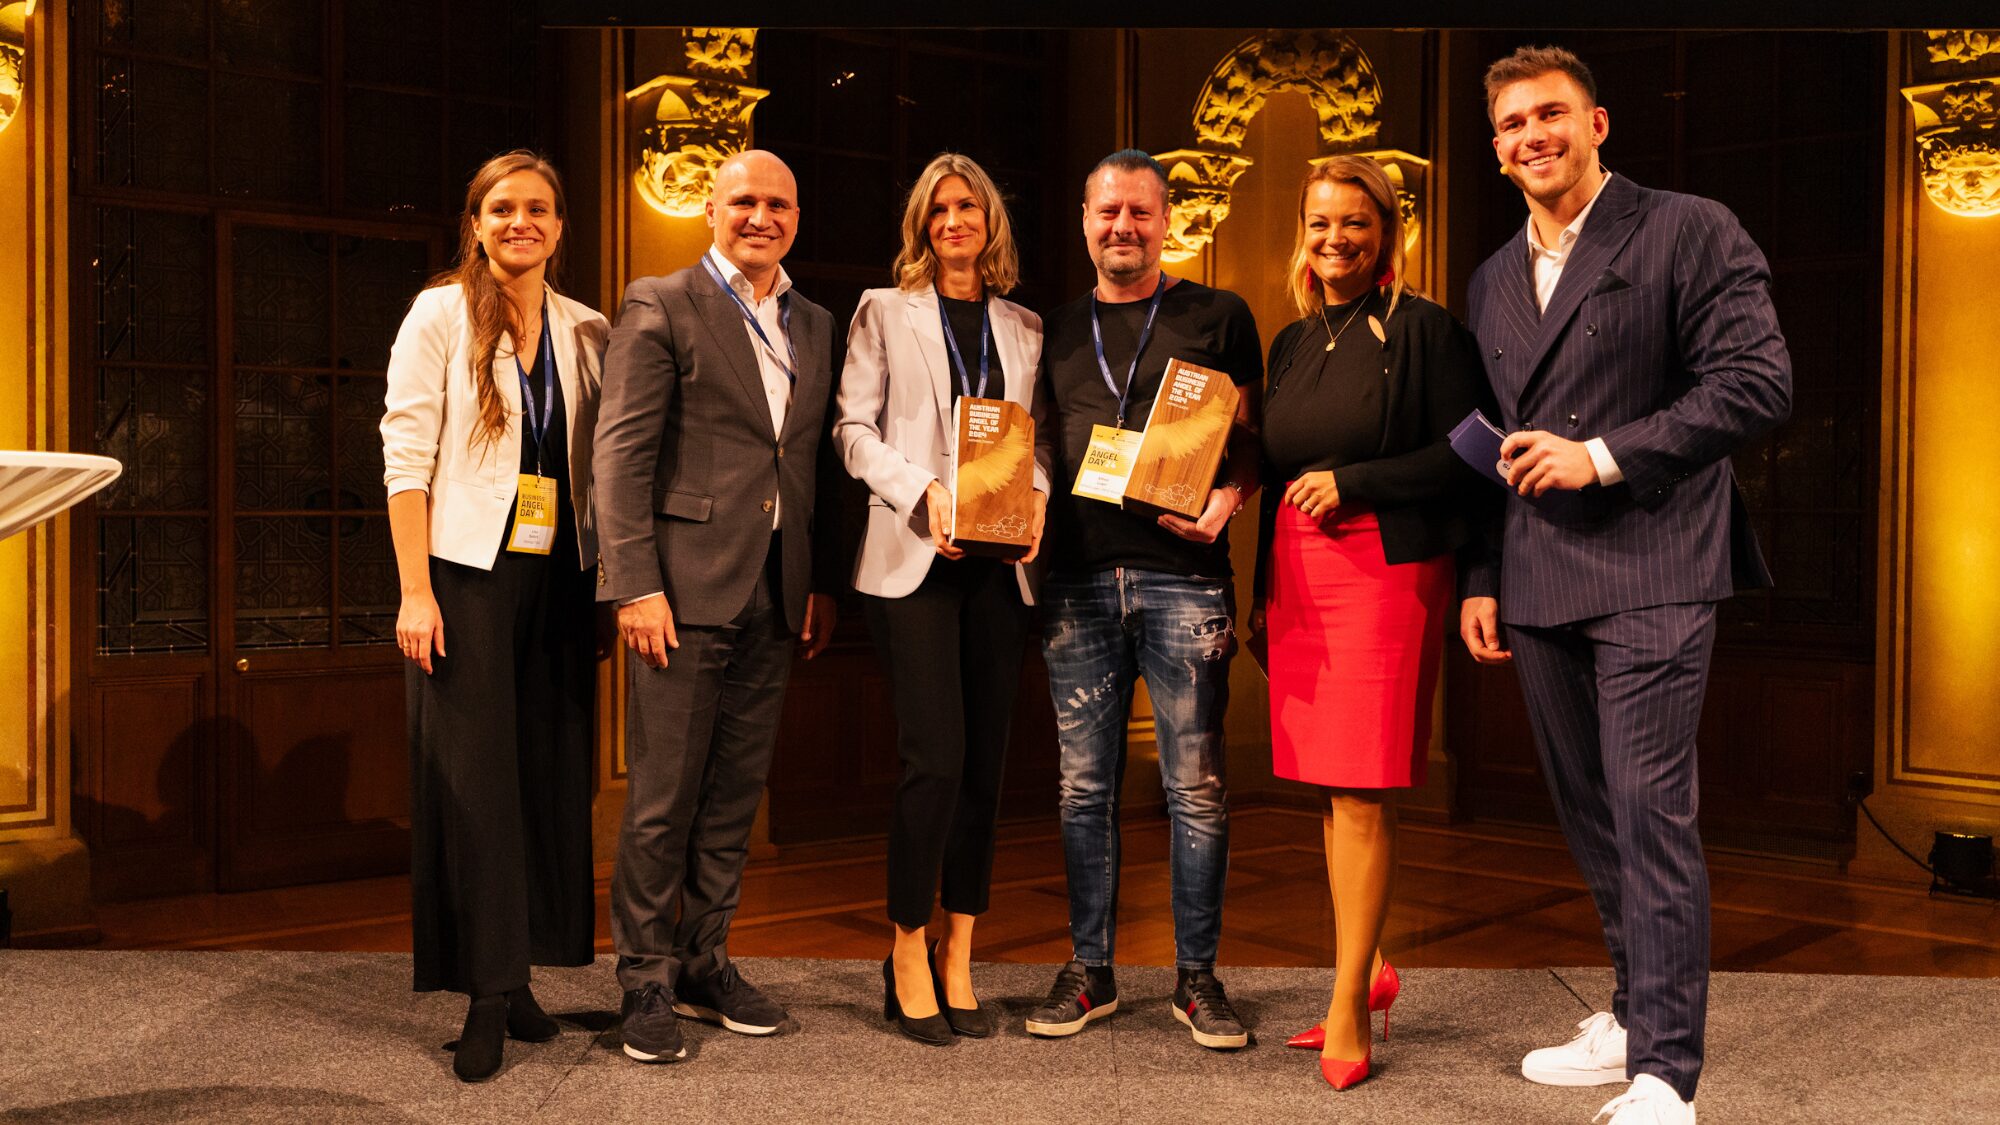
column 894, row 432
column 431, row 407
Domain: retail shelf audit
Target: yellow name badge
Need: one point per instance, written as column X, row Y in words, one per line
column 534, row 515
column 1107, row 464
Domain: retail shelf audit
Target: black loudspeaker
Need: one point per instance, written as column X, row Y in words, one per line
column 1962, row 862
column 6, row 923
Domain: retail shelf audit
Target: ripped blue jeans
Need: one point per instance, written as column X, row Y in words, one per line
column 1101, row 632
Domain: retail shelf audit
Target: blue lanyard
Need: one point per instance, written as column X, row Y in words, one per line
column 784, row 321
column 538, row 425
column 951, row 346
column 1145, row 334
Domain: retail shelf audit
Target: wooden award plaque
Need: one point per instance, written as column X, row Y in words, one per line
column 993, row 477
column 1186, row 434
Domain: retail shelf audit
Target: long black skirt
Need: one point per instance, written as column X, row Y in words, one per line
column 500, row 774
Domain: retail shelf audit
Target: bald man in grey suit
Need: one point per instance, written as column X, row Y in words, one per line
column 710, row 458
column 1630, row 338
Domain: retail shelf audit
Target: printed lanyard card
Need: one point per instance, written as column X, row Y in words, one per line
column 1107, row 464
column 534, row 515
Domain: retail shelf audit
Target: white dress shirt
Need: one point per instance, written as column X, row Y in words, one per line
column 1548, row 264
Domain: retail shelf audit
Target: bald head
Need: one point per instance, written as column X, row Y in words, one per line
column 754, row 211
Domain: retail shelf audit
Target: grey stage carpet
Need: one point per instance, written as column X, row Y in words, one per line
column 241, row 1037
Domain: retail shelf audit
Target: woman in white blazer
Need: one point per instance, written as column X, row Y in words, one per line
column 949, row 628
column 491, row 399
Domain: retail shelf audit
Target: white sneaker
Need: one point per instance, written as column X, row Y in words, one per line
column 1596, row 1057
column 1649, row 1102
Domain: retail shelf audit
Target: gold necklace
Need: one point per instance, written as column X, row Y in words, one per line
column 1333, row 337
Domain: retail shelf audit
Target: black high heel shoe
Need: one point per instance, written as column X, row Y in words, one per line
column 973, row 1023
column 931, row 1031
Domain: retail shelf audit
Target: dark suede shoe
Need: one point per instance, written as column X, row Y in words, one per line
column 477, row 1054
column 652, row 1032
column 525, row 1019
column 725, row 998
column 973, row 1022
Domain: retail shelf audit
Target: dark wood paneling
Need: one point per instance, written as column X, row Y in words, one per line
column 316, row 778
column 836, row 769
column 1778, row 737
column 143, row 785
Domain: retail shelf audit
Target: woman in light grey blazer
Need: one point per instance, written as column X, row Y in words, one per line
column 949, row 628
column 491, row 395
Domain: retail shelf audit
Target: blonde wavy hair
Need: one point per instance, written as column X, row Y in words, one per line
column 1308, row 295
column 917, row 263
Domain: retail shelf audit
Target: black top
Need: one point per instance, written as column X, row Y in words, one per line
column 554, row 452
column 1326, row 410
column 1427, row 501
column 966, row 317
column 1209, row 327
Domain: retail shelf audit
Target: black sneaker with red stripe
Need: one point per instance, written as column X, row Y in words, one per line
column 1200, row 1003
column 1081, row 994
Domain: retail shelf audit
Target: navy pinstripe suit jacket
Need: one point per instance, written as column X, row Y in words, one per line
column 1661, row 339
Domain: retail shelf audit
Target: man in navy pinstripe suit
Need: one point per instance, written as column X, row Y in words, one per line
column 1630, row 338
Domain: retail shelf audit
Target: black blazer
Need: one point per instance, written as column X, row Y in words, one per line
column 1428, row 501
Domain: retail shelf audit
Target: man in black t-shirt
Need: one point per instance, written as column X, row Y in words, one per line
column 1131, row 595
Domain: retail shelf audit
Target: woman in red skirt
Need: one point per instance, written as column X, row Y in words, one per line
column 1366, row 504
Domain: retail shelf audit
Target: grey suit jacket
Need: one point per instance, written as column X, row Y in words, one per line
column 686, row 466
column 1661, row 339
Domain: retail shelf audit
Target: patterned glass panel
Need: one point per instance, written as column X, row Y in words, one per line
column 152, row 585
column 156, row 423
column 370, row 594
column 167, row 27
column 272, row 34
column 394, row 152
column 492, row 49
column 272, row 147
column 378, row 278
column 359, row 402
column 282, row 445
column 284, row 582
column 395, row 42
column 480, row 132
column 282, row 285
column 152, row 125
column 151, row 273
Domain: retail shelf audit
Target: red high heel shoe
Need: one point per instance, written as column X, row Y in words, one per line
column 1340, row 1073
column 1381, row 994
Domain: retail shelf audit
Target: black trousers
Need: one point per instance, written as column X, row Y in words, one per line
column 952, row 650
column 698, row 740
column 500, row 750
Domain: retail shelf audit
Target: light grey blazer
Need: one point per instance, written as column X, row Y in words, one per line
column 894, row 429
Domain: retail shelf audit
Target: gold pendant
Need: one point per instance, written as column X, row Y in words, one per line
column 1330, row 343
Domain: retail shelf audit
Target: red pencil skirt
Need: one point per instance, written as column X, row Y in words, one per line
column 1354, row 650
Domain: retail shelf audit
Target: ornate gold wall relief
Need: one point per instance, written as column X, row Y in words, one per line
column 1958, row 144
column 1962, row 46
column 13, row 58
column 699, row 119
column 1326, row 66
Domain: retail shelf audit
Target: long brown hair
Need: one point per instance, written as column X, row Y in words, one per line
column 488, row 307
column 1308, row 295
column 916, row 265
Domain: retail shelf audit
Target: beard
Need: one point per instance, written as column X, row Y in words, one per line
column 1127, row 268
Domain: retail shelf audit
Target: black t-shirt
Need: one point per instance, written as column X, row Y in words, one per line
column 966, row 321
column 1324, row 409
column 1196, row 324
